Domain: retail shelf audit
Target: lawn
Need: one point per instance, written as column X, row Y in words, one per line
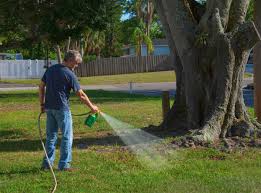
column 164, row 76
column 104, row 165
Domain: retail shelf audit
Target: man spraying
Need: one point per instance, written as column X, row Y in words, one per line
column 54, row 93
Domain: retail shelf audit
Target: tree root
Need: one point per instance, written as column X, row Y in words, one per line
column 241, row 128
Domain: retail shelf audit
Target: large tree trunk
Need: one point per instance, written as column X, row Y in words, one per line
column 257, row 62
column 212, row 52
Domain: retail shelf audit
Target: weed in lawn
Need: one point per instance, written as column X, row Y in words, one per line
column 147, row 147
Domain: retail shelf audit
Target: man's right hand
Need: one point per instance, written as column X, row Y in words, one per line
column 84, row 98
column 94, row 109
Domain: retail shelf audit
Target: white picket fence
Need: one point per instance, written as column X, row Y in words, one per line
column 22, row 69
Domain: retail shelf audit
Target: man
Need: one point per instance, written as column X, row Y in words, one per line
column 54, row 92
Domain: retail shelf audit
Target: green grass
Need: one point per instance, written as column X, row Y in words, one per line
column 164, row 76
column 248, row 75
column 104, row 167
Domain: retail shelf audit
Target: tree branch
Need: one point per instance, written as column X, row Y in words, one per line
column 180, row 22
column 223, row 6
column 217, row 26
column 237, row 13
column 246, row 36
column 166, row 26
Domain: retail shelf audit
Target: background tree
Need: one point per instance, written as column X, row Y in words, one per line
column 213, row 45
column 113, row 32
column 50, row 22
column 141, row 11
column 99, row 43
column 138, row 37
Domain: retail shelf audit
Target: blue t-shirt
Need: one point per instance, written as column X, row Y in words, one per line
column 59, row 81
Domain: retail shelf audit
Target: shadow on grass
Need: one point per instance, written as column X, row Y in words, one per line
column 100, row 96
column 20, row 171
column 35, row 144
column 97, row 96
column 16, row 145
column 11, row 134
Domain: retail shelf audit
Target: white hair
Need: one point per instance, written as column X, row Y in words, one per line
column 72, row 54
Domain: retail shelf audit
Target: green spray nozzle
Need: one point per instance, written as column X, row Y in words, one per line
column 91, row 119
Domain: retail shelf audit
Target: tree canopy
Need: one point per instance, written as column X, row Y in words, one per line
column 25, row 23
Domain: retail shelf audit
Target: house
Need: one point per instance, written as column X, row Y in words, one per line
column 161, row 47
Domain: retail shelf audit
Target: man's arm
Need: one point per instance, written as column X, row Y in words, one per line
column 84, row 98
column 42, row 95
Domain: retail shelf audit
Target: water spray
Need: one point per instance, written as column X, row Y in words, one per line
column 148, row 148
column 143, row 144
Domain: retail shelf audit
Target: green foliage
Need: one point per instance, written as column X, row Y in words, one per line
column 71, row 17
column 139, row 36
column 250, row 11
column 113, row 32
column 27, row 23
column 138, row 12
column 156, row 30
column 89, row 58
column 127, row 27
column 149, row 44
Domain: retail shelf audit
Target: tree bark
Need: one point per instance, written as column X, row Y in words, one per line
column 150, row 12
column 58, row 53
column 212, row 51
column 82, row 47
column 257, row 62
column 68, row 44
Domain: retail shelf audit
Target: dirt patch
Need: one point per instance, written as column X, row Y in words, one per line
column 226, row 145
column 182, row 140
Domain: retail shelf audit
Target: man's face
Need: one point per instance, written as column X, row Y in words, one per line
column 78, row 61
column 75, row 62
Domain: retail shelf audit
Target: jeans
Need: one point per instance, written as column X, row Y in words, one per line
column 63, row 120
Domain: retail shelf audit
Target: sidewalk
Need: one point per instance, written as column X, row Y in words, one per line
column 148, row 89
column 115, row 87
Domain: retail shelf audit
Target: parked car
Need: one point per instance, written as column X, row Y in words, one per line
column 7, row 56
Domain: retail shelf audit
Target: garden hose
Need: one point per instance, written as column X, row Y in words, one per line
column 45, row 152
column 49, row 163
column 78, row 115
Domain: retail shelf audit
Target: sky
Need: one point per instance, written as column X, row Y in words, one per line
column 125, row 16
